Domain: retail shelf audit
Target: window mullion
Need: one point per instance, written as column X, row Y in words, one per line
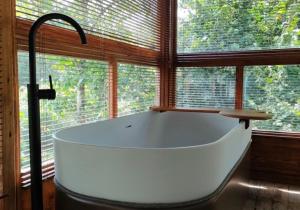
column 239, row 87
column 113, row 88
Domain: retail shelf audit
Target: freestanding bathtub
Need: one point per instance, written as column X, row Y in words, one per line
column 150, row 158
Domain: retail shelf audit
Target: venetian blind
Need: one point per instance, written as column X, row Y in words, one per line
column 132, row 21
column 212, row 87
column 240, row 25
column 138, row 88
column 82, row 97
column 275, row 89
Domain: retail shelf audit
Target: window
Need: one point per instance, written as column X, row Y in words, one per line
column 241, row 25
column 205, row 87
column 275, row 89
column 138, row 88
column 261, row 39
column 135, row 22
column 86, row 82
column 82, row 97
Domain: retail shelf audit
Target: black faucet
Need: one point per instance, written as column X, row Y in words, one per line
column 34, row 95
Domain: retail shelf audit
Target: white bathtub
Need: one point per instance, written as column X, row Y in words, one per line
column 150, row 157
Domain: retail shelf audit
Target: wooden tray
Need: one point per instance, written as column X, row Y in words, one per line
column 246, row 114
column 178, row 109
column 234, row 113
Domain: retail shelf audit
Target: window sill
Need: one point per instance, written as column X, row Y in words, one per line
column 48, row 172
column 276, row 134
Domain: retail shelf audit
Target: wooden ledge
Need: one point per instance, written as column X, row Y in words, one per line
column 246, row 114
column 178, row 109
column 234, row 113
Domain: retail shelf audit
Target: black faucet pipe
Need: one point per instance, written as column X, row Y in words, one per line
column 34, row 95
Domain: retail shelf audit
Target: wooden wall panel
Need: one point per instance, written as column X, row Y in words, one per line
column 1, row 99
column 8, row 105
column 276, row 159
column 49, row 196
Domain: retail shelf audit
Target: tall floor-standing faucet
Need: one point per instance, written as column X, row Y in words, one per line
column 34, row 95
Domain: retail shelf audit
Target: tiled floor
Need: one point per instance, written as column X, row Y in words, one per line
column 270, row 196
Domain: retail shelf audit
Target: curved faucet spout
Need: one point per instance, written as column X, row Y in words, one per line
column 32, row 36
column 34, row 95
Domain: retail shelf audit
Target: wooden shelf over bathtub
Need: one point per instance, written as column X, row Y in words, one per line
column 178, row 109
column 246, row 114
column 234, row 113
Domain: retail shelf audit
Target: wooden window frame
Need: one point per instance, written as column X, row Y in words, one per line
column 239, row 60
column 9, row 115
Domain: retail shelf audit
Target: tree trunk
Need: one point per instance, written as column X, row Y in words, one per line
column 80, row 101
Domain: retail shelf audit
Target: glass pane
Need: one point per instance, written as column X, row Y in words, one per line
column 275, row 89
column 218, row 25
column 135, row 22
column 205, row 87
column 138, row 88
column 82, row 97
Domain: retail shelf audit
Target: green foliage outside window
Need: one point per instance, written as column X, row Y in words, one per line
column 205, row 87
column 237, row 25
column 241, row 25
column 82, row 97
column 275, row 89
column 82, row 88
column 138, row 88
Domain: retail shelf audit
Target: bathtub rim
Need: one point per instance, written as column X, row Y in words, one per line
column 205, row 199
column 56, row 138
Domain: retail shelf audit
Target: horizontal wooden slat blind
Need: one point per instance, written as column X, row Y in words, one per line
column 131, row 21
column 205, row 87
column 97, row 48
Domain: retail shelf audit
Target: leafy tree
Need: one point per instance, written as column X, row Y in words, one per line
column 205, row 87
column 137, row 88
column 236, row 25
column 68, row 76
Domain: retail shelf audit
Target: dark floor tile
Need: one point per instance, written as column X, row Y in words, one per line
column 281, row 194
column 294, row 195
column 263, row 204
column 279, row 206
column 249, row 205
column 294, row 207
